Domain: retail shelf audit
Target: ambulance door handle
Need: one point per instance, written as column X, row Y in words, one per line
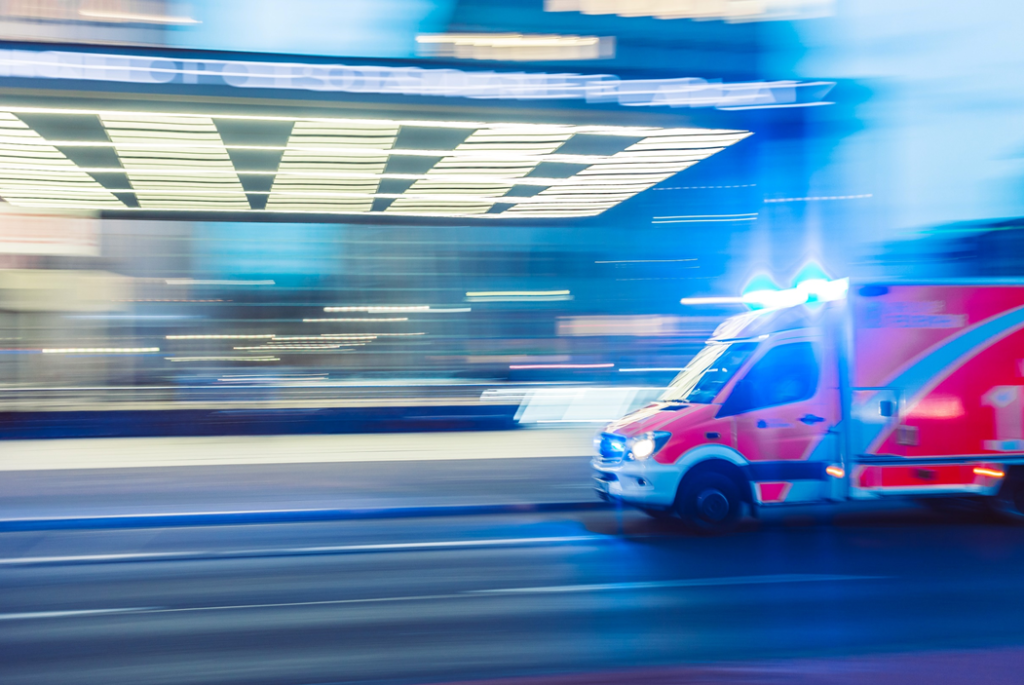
column 811, row 419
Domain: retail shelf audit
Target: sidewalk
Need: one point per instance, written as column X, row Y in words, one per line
column 117, row 453
column 198, row 481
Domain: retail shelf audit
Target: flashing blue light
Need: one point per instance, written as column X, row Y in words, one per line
column 759, row 290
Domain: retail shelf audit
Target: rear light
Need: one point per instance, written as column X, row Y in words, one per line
column 991, row 473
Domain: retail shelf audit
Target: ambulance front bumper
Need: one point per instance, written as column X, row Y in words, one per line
column 645, row 484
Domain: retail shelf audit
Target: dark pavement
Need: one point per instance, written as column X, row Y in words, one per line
column 449, row 599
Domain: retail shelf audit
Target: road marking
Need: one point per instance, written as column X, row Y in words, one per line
column 298, row 551
column 599, row 587
column 84, row 558
column 687, row 582
column 61, row 614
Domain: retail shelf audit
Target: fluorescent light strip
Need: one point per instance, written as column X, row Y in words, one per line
column 223, row 359
column 561, row 366
column 297, row 348
column 53, row 168
column 644, row 261
column 370, row 138
column 138, row 141
column 353, row 339
column 190, row 196
column 389, row 320
column 194, row 281
column 100, row 350
column 219, row 337
column 324, row 212
column 380, row 309
column 488, row 155
column 137, row 18
column 517, row 293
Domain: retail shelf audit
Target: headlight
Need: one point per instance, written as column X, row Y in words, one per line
column 644, row 445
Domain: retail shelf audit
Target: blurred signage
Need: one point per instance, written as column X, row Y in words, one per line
column 368, row 28
column 642, row 326
column 93, row 11
column 92, row 21
column 41, row 234
column 514, row 47
column 732, row 11
column 593, row 88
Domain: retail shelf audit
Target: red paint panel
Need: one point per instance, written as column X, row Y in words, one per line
column 920, row 476
column 977, row 409
column 692, row 430
column 894, row 329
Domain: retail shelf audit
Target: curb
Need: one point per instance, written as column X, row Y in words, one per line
column 237, row 518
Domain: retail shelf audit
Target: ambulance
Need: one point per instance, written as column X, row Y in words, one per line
column 831, row 392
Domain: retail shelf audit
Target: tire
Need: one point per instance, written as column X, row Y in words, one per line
column 1009, row 504
column 709, row 503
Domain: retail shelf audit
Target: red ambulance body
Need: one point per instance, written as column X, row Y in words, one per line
column 890, row 390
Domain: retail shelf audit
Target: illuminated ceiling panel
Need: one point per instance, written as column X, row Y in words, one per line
column 162, row 154
column 34, row 173
column 658, row 156
column 317, row 149
column 481, row 171
column 193, row 162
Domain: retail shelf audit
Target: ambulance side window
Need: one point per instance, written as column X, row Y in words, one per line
column 786, row 374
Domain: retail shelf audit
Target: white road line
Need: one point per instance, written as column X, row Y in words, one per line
column 688, row 582
column 152, row 556
column 332, row 549
column 282, row 605
column 600, row 587
column 61, row 614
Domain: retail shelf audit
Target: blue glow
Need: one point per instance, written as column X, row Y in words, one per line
column 758, row 290
column 811, row 271
column 352, row 28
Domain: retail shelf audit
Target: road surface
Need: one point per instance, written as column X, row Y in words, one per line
column 454, row 599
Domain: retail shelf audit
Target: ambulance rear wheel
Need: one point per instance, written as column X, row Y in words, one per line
column 710, row 503
column 1010, row 501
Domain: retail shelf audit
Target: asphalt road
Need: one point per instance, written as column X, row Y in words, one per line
column 444, row 600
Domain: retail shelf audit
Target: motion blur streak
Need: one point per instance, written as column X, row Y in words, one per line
column 561, row 342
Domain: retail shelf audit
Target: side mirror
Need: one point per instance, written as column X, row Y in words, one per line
column 886, row 408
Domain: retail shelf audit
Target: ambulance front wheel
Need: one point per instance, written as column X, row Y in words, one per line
column 709, row 502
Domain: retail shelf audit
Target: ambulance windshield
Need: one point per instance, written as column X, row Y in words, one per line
column 706, row 373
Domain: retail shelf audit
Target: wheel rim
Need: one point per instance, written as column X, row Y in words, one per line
column 713, row 505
